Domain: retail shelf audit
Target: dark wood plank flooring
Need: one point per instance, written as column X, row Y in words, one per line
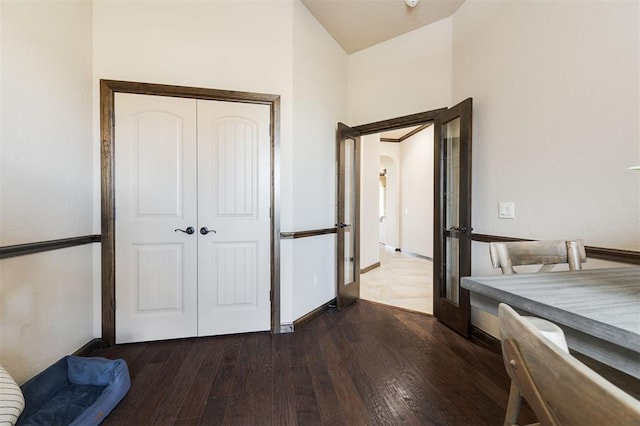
column 367, row 365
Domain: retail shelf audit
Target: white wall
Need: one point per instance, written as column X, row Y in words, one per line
column 268, row 46
column 319, row 102
column 556, row 117
column 234, row 45
column 369, row 201
column 416, row 189
column 390, row 226
column 46, row 173
column 408, row 74
column 556, row 121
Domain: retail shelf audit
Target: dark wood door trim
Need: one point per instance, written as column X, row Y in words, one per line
column 399, row 122
column 107, row 90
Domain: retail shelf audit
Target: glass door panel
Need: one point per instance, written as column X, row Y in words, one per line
column 349, row 208
column 451, row 145
column 452, row 215
column 347, row 228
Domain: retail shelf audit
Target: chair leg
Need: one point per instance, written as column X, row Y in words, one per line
column 513, row 407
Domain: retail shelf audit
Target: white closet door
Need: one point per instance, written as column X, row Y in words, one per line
column 155, row 190
column 234, row 176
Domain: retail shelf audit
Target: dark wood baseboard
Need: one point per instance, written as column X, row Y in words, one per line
column 370, row 268
column 305, row 319
column 485, row 340
column 92, row 346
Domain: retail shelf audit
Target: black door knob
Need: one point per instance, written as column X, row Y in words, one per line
column 204, row 230
column 190, row 230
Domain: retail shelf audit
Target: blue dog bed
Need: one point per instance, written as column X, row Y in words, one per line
column 75, row 391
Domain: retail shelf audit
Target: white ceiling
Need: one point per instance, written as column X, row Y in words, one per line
column 358, row 24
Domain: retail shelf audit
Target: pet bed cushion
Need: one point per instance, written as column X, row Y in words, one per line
column 75, row 391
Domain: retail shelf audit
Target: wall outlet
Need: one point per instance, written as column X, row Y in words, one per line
column 506, row 210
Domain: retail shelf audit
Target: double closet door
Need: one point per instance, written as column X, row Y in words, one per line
column 192, row 194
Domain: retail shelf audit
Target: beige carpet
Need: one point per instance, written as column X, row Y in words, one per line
column 401, row 280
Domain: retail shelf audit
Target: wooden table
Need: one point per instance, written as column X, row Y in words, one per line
column 598, row 309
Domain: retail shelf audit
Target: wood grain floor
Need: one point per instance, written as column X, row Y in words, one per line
column 367, row 365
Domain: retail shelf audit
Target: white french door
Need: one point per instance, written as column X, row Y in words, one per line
column 192, row 217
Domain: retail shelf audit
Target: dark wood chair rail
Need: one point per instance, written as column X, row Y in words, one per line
column 40, row 246
column 308, row 233
column 614, row 255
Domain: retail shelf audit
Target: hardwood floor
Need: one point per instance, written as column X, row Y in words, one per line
column 367, row 365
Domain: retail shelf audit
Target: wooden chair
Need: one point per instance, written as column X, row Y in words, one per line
column 559, row 389
column 546, row 253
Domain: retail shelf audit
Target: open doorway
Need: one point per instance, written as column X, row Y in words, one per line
column 451, row 208
column 396, row 214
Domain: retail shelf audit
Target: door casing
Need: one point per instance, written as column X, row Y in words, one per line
column 107, row 90
column 420, row 118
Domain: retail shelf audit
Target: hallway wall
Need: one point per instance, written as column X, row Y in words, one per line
column 416, row 189
column 369, row 201
column 390, row 226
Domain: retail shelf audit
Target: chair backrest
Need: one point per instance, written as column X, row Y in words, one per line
column 559, row 388
column 546, row 253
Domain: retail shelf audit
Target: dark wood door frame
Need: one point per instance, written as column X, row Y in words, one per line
column 399, row 122
column 107, row 90
column 418, row 119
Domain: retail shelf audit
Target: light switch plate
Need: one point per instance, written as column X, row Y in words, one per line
column 506, row 210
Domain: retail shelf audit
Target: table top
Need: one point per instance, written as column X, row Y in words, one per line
column 604, row 303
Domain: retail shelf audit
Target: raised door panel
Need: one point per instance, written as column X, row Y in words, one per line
column 155, row 186
column 235, row 277
column 158, row 269
column 235, row 155
column 157, row 161
column 234, row 176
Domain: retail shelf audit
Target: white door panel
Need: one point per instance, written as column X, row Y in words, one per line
column 156, row 283
column 180, row 163
column 234, row 270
